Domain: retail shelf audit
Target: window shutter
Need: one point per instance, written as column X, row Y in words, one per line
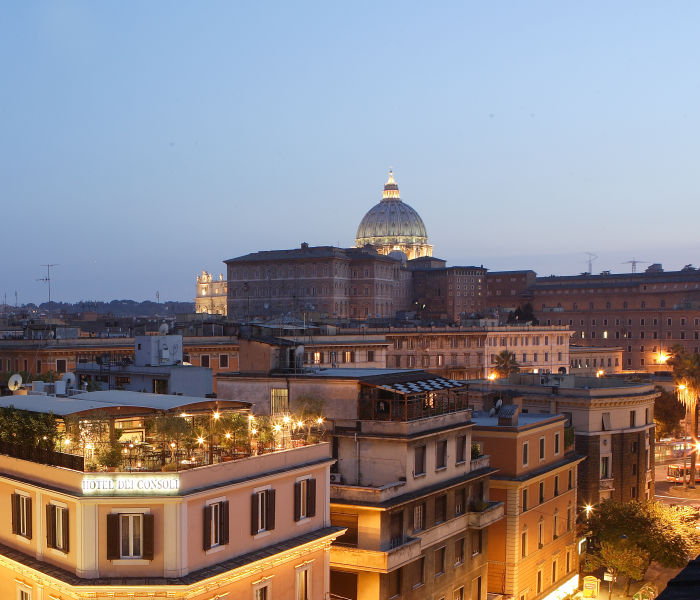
column 66, row 539
column 297, row 500
column 207, row 528
column 223, row 515
column 15, row 513
column 311, row 498
column 29, row 517
column 254, row 514
column 270, row 510
column 113, row 537
column 148, row 537
column 50, row 526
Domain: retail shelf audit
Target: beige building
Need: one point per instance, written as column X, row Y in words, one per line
column 612, row 421
column 257, row 527
column 595, row 360
column 533, row 551
column 415, row 504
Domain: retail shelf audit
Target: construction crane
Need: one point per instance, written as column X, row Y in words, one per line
column 634, row 262
column 591, row 258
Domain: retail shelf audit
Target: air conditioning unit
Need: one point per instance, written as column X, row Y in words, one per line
column 336, row 478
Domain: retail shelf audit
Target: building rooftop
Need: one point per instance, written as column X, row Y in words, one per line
column 483, row 419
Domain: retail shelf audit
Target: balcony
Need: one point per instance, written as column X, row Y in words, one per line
column 480, row 463
column 607, row 483
column 481, row 517
column 376, row 561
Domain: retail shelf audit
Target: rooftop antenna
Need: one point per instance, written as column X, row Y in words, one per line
column 634, row 262
column 591, row 258
column 47, row 279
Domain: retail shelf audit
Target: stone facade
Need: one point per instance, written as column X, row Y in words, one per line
column 211, row 294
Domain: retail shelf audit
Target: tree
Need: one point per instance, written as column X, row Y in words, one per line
column 668, row 412
column 506, row 363
column 686, row 375
column 626, row 536
column 523, row 314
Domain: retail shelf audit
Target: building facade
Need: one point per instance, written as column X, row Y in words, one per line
column 211, row 294
column 612, row 421
column 533, row 551
column 70, row 534
column 645, row 314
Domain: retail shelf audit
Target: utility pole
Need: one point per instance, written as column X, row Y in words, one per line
column 47, row 279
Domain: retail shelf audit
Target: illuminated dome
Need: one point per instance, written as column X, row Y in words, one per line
column 394, row 225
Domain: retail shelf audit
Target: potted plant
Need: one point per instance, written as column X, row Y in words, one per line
column 110, row 456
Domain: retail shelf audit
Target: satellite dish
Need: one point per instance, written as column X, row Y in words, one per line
column 163, row 329
column 15, row 382
column 499, row 403
column 492, row 412
column 69, row 378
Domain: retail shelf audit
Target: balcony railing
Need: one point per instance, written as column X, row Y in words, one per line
column 44, row 457
column 489, row 514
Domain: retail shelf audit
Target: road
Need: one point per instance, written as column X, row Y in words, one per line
column 666, row 494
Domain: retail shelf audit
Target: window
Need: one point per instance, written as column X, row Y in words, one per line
column 568, row 520
column 440, row 558
column 523, row 544
column 541, row 486
column 303, row 583
column 540, row 534
column 317, row 358
column 568, row 561
column 541, row 448
column 57, row 527
column 539, row 582
column 130, row 536
column 477, row 540
column 262, row 592
column 556, row 485
column 22, row 515
column 419, row 517
column 395, row 583
column 419, row 461
column 418, row 572
column 279, row 400
column 604, row 467
column 555, row 526
column 459, row 551
column 525, row 449
column 556, row 443
column 262, row 513
column 441, row 454
column 349, row 356
column 461, row 448
column 554, row 571
column 607, row 425
column 459, row 501
column 216, row 529
column 570, row 476
column 204, row 360
column 24, row 592
column 440, row 508
column 458, row 594
column 476, row 588
column 304, row 498
column 60, row 365
column 370, row 355
column 633, row 418
column 524, row 499
column 223, row 361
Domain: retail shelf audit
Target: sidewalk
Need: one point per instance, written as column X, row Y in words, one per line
column 656, row 574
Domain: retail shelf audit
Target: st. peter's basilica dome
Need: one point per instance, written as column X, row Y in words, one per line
column 394, row 225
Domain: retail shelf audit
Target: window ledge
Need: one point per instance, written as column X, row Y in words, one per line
column 215, row 549
column 23, row 538
column 418, row 475
column 58, row 552
column 131, row 561
column 262, row 534
column 438, row 469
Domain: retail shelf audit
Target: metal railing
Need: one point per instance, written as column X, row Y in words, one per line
column 41, row 456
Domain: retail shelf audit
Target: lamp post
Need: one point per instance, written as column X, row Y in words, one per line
column 683, row 392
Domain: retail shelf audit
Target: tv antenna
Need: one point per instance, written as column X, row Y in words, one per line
column 47, row 279
column 634, row 262
column 591, row 258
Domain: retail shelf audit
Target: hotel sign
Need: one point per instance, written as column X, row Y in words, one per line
column 130, row 485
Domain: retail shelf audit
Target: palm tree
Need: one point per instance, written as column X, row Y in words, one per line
column 686, row 376
column 506, row 363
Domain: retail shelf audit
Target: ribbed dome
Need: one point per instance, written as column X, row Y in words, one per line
column 391, row 221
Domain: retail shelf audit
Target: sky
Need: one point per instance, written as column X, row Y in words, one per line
column 141, row 142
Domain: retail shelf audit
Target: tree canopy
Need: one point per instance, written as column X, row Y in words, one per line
column 668, row 413
column 625, row 537
column 506, row 363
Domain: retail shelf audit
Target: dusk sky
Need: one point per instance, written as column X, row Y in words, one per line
column 141, row 142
